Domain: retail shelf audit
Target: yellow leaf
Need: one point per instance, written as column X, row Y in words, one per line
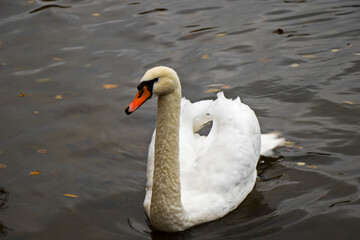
column 58, row 97
column 294, row 65
column 70, row 195
column 308, row 56
column 205, row 56
column 212, row 90
column 221, row 35
column 215, row 85
column 42, row 150
column 2, row 165
column 30, row 2
column 299, row 147
column 34, row 173
column 300, row 163
column 57, row 59
column 335, row 50
column 109, row 86
column 348, row 102
column 96, row 14
column 43, row 80
column 225, row 86
column 21, row 95
column 289, row 144
column 311, row 166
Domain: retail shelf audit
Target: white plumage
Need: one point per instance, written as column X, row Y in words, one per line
column 216, row 171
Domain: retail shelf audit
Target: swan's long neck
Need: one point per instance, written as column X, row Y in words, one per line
column 166, row 211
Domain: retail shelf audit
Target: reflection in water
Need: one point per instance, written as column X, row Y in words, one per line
column 3, row 200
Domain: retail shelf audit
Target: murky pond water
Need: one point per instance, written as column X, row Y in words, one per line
column 63, row 129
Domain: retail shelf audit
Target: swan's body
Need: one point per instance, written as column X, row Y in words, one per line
column 192, row 179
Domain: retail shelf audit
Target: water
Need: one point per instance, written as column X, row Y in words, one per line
column 57, row 118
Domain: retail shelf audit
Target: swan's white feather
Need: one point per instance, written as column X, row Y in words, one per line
column 218, row 171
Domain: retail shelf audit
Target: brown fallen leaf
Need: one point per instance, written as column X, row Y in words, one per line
column 212, row 90
column 299, row 147
column 58, row 97
column 36, row 112
column 4, row 64
column 21, row 95
column 33, row 173
column 57, row 59
column 110, row 86
column 43, row 80
column 96, row 14
column 71, row 195
column 42, row 150
column 312, row 166
column 2, row 165
column 225, row 86
column 205, row 56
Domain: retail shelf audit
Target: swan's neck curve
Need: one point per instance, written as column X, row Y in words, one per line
column 166, row 210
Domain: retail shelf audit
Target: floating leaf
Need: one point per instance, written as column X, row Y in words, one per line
column 300, row 163
column 311, row 166
column 58, row 97
column 215, row 85
column 357, row 54
column 57, row 59
column 205, row 56
column 36, row 112
column 308, row 56
column 221, row 35
column 2, row 165
column 279, row 31
column 212, row 90
column 109, row 86
column 4, row 64
column 21, row 95
column 225, row 86
column 88, row 65
column 33, row 173
column 264, row 60
column 43, row 80
column 289, row 144
column 30, row 2
column 348, row 102
column 96, row 14
column 294, row 65
column 299, row 147
column 335, row 50
column 70, row 195
column 42, row 150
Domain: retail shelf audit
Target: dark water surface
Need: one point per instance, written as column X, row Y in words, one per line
column 57, row 117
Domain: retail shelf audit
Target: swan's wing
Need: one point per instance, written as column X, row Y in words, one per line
column 149, row 175
column 218, row 171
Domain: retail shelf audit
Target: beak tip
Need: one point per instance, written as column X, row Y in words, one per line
column 127, row 110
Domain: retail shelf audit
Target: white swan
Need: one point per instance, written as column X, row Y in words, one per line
column 192, row 179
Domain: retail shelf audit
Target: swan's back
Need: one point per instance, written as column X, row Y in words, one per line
column 217, row 171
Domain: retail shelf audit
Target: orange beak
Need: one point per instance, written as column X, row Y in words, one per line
column 142, row 95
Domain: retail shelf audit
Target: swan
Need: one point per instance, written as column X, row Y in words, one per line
column 193, row 179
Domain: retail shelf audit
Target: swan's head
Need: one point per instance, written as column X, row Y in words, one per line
column 156, row 81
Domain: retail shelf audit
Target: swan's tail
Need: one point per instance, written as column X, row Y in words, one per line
column 269, row 141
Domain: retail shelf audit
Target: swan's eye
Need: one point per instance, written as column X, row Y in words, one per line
column 155, row 79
